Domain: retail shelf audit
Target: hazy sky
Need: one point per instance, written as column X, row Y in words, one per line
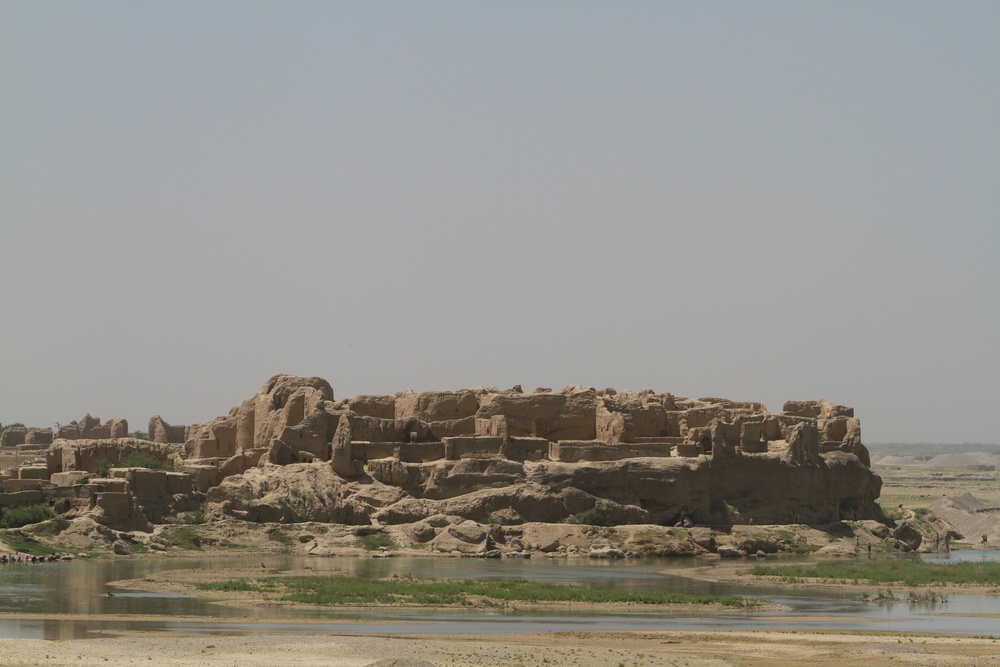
column 763, row 201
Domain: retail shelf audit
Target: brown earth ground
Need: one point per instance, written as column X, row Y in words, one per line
column 919, row 486
column 913, row 487
column 590, row 649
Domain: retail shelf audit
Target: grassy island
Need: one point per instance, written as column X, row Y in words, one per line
column 899, row 571
column 450, row 592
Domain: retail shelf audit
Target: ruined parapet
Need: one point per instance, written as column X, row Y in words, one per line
column 724, row 439
column 157, row 492
column 567, row 415
column 380, row 407
column 526, row 449
column 472, row 447
column 160, row 431
column 214, row 439
column 309, row 435
column 33, row 471
column 240, row 463
column 803, row 444
column 419, row 452
column 435, row 406
column 376, row 429
column 119, row 510
column 91, row 428
column 817, row 409
column 451, row 428
column 614, row 426
column 23, row 497
column 569, row 451
column 629, row 416
column 284, row 401
column 341, row 459
column 92, row 455
column 13, row 436
column 69, row 478
column 38, row 436
column 203, row 476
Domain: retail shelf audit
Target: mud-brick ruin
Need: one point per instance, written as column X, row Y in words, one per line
column 293, row 453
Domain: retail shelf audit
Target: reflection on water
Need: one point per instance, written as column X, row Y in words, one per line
column 80, row 588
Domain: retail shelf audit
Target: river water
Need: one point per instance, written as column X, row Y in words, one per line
column 79, row 588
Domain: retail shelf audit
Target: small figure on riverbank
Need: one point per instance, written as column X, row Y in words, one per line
column 984, row 539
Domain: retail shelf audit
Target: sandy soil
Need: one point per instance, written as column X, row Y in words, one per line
column 524, row 650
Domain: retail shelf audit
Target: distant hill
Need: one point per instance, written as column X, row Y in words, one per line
column 929, row 449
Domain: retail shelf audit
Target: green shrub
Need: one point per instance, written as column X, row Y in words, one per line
column 594, row 517
column 184, row 537
column 141, row 459
column 195, row 518
column 15, row 517
column 280, row 537
column 104, row 467
column 377, row 541
column 51, row 527
column 140, row 435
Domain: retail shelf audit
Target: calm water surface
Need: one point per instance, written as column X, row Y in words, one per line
column 80, row 588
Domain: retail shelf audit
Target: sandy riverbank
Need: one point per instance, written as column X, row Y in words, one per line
column 525, row 650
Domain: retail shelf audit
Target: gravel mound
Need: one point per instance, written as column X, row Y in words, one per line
column 969, row 516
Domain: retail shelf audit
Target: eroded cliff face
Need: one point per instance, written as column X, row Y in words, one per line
column 293, row 453
column 509, row 456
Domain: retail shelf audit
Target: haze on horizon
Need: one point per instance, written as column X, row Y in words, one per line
column 763, row 201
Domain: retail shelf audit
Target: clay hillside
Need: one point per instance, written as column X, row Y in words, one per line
column 292, row 453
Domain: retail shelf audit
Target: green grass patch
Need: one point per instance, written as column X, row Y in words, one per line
column 376, row 542
column 278, row 536
column 51, row 528
column 195, row 518
column 184, row 537
column 104, row 467
column 594, row 517
column 141, row 459
column 240, row 586
column 15, row 517
column 445, row 592
column 890, row 571
column 138, row 548
column 17, row 540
